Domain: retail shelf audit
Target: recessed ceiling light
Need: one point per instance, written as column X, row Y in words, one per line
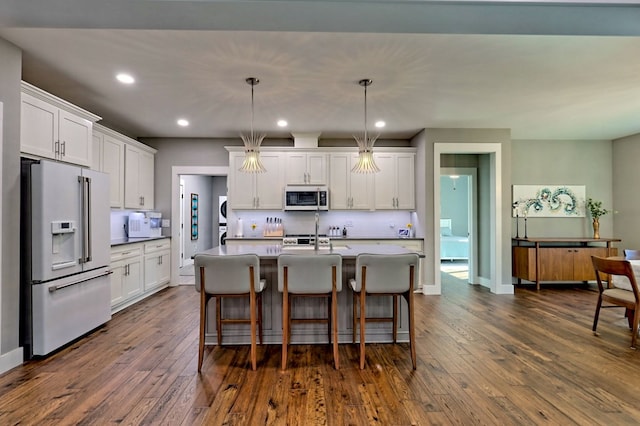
column 380, row 124
column 125, row 78
column 182, row 122
column 282, row 123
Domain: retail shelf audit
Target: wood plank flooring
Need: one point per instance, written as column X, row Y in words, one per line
column 526, row 359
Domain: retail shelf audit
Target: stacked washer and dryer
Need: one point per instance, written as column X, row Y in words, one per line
column 222, row 219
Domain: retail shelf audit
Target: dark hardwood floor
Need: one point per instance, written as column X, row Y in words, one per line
column 482, row 359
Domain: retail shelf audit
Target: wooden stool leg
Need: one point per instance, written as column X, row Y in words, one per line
column 363, row 314
column 253, row 319
column 334, row 319
column 363, row 302
column 412, row 327
column 329, row 317
column 634, row 329
column 285, row 319
column 203, row 321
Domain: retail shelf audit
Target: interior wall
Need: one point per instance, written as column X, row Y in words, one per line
column 10, row 75
column 203, row 187
column 454, row 203
column 569, row 162
column 485, row 219
column 626, row 175
column 184, row 152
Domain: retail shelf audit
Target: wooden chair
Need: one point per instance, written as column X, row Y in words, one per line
column 617, row 296
column 384, row 275
column 314, row 275
column 229, row 276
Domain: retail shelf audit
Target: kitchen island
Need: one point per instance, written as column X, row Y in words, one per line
column 306, row 307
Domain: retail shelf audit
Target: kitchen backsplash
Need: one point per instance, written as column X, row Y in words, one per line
column 119, row 219
column 360, row 224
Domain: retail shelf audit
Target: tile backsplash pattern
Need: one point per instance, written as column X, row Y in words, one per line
column 359, row 224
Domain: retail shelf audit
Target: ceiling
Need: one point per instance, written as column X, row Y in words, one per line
column 544, row 70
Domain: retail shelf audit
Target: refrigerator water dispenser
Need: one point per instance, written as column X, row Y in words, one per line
column 63, row 240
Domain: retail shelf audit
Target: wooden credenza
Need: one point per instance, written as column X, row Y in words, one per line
column 558, row 259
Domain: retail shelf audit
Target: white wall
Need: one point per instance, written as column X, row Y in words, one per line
column 10, row 74
column 568, row 162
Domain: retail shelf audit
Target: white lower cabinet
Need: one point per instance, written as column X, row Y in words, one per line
column 138, row 270
column 126, row 277
column 157, row 266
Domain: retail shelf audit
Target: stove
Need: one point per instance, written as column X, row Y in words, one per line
column 305, row 240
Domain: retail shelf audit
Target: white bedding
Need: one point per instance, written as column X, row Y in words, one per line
column 452, row 247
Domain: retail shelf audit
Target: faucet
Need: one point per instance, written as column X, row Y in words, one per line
column 315, row 241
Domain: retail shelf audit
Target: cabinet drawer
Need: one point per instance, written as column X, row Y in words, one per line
column 125, row 252
column 157, row 245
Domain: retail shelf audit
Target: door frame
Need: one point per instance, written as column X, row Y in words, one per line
column 494, row 280
column 176, row 171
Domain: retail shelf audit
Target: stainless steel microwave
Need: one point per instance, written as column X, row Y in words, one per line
column 306, row 197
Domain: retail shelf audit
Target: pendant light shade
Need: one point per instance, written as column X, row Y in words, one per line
column 366, row 162
column 252, row 163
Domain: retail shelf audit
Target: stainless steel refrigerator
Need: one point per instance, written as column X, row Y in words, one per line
column 65, row 238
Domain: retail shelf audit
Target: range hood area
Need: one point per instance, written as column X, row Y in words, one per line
column 305, row 140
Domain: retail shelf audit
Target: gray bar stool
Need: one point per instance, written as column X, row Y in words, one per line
column 384, row 275
column 315, row 275
column 229, row 276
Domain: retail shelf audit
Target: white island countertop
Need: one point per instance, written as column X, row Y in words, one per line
column 271, row 251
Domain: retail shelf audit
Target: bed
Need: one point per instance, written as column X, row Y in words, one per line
column 452, row 247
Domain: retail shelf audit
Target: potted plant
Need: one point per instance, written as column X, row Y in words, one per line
column 596, row 210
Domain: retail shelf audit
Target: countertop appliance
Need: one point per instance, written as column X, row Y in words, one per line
column 65, row 254
column 305, row 241
column 144, row 225
column 306, row 197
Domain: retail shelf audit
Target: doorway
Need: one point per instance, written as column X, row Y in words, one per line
column 458, row 227
column 178, row 251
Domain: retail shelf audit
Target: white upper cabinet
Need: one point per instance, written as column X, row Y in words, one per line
column 393, row 188
column 256, row 191
column 347, row 190
column 306, row 168
column 395, row 183
column 53, row 128
column 138, row 178
column 108, row 157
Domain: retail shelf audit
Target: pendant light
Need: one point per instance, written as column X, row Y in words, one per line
column 366, row 163
column 252, row 163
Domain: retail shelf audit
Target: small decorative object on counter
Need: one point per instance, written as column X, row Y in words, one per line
column 596, row 210
column 410, row 228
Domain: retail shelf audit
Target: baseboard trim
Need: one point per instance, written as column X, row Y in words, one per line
column 11, row 359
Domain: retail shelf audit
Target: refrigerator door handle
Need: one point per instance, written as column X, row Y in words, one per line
column 85, row 194
column 55, row 288
column 87, row 212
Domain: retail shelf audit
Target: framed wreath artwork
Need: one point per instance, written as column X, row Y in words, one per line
column 549, row 201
